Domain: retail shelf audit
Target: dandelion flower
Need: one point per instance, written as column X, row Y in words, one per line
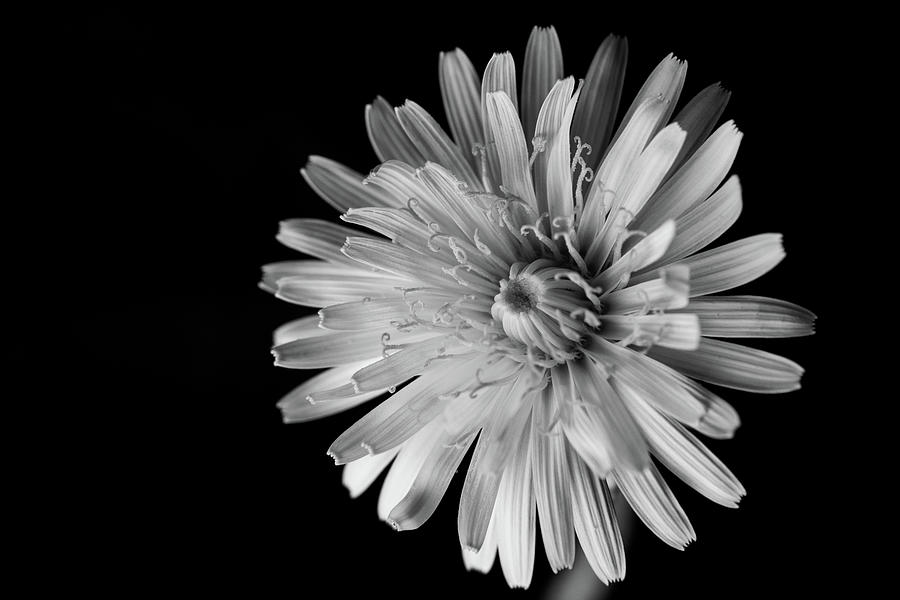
column 534, row 284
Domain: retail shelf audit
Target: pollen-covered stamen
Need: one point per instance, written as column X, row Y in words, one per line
column 480, row 150
column 539, row 144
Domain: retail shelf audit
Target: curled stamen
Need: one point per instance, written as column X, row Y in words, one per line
column 570, row 246
column 482, row 384
column 536, row 230
column 458, row 253
column 482, row 247
column 587, row 174
column 385, row 346
column 411, row 205
column 579, row 148
column 451, row 271
column 434, row 236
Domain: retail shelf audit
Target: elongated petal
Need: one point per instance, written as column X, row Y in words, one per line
column 339, row 348
column 381, row 312
column 552, row 483
column 684, row 454
column 751, row 316
column 652, row 500
column 673, row 330
column 497, row 442
column 669, row 291
column 340, row 186
column 599, row 414
column 511, row 150
column 433, row 143
column 734, row 366
column 404, row 413
column 430, row 484
column 646, row 173
column 515, row 514
column 595, row 521
column 360, row 474
column 560, row 199
column 596, row 113
column 543, row 67
column 322, row 239
column 303, row 327
column 499, row 76
column 400, row 366
column 664, row 83
column 317, row 283
column 387, row 137
column 300, row 406
column 668, row 391
column 703, row 224
column 483, row 559
column 461, row 92
column 647, row 251
column 731, row 265
column 604, row 195
column 696, row 180
column 549, row 125
column 405, row 470
column 699, row 118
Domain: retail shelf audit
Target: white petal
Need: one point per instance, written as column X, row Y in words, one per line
column 396, row 260
column 387, row 137
column 543, row 67
column 732, row 265
column 551, row 483
column 652, row 500
column 303, row 327
column 404, row 413
column 611, row 173
column 497, row 442
column 694, row 181
column 595, row 522
column 668, row 390
column 382, row 312
column 482, row 560
column 511, row 150
column 699, row 117
column 751, row 316
column 734, row 366
column 515, row 514
column 358, row 475
column 549, row 125
column 599, row 426
column 667, row 292
column 322, row 239
column 703, row 224
column 560, row 198
column 684, row 454
column 405, row 470
column 402, row 365
column 300, row 406
column 596, row 113
column 647, row 251
column 645, row 174
column 672, row 330
column 664, row 83
column 433, row 143
column 430, row 485
column 340, row 186
column 499, row 76
column 461, row 92
column 318, row 283
column 340, row 348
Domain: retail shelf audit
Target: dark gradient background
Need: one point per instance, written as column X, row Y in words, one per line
column 184, row 136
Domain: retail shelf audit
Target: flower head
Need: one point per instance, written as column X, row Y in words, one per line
column 535, row 285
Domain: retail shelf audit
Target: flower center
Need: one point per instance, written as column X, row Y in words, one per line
column 547, row 308
column 520, row 294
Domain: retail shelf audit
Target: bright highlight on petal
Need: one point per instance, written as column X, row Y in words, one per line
column 534, row 286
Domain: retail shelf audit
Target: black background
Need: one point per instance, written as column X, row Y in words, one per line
column 180, row 151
